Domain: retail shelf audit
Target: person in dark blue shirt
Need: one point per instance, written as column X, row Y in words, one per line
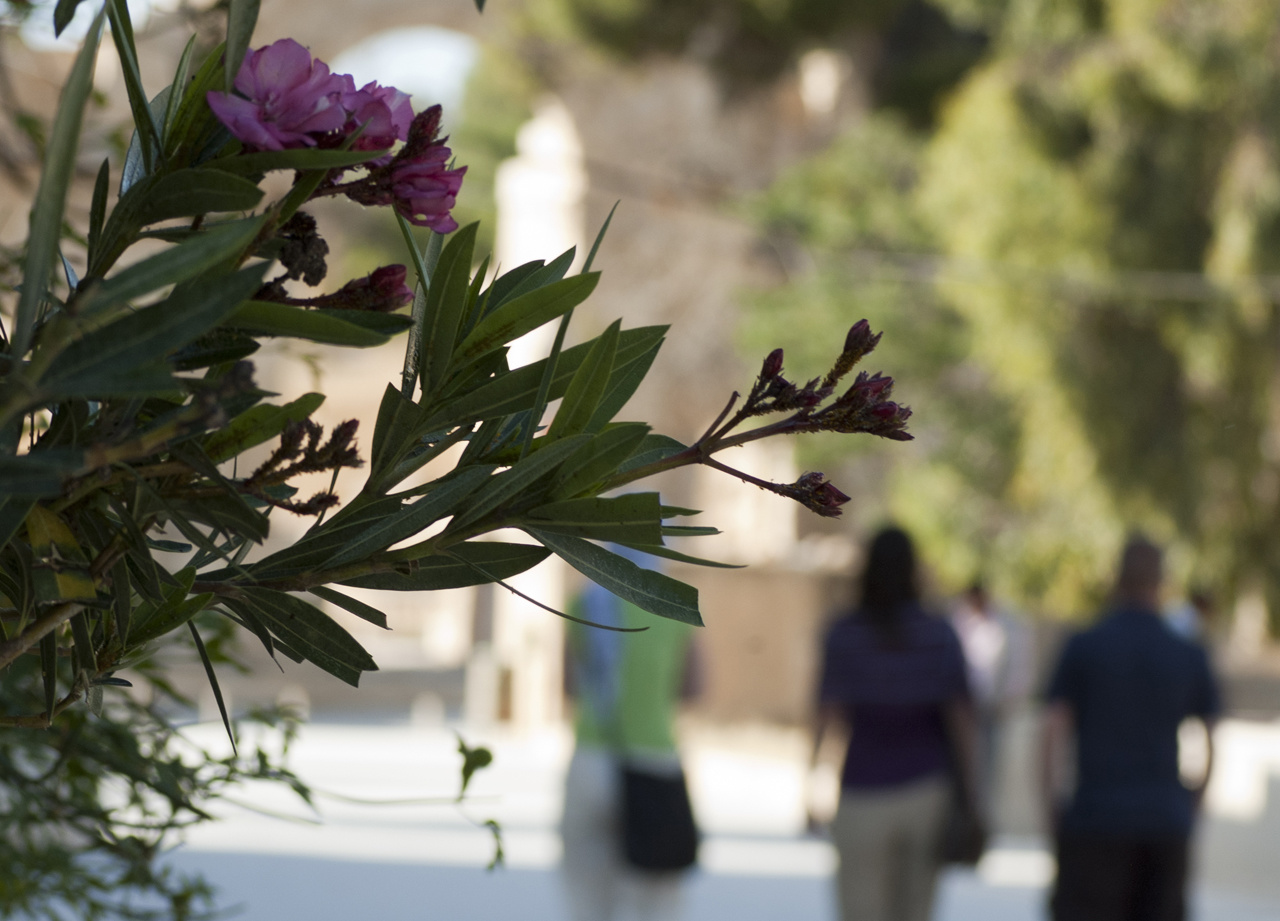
column 1121, row 690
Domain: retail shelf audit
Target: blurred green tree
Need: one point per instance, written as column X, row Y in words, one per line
column 1099, row 199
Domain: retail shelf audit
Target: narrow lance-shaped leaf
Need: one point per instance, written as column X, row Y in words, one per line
column 525, row 314
column 150, row 333
column 583, row 396
column 51, row 196
column 266, row 318
column 648, row 590
column 144, row 120
column 49, row 669
column 461, row 568
column 446, row 300
column 257, row 425
column 411, row 519
column 213, row 684
column 178, row 263
column 599, row 458
column 62, row 571
column 311, row 633
column 242, row 16
column 352, row 606
column 511, row 483
column 424, row 263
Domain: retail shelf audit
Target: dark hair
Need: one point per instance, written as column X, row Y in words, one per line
column 888, row 583
column 1141, row 569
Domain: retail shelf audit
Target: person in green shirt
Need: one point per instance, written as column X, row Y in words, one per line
column 626, row 689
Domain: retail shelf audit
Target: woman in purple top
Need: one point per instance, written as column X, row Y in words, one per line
column 894, row 680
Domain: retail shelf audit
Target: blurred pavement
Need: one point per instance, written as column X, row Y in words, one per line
column 410, row 859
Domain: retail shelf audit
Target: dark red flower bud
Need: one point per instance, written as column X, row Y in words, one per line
column 860, row 340
column 382, row 290
column 772, row 365
column 885, row 411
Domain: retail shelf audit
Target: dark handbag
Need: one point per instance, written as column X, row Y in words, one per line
column 964, row 836
column 658, row 831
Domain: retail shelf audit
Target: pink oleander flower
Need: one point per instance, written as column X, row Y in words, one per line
column 384, row 111
column 425, row 190
column 289, row 99
column 422, row 186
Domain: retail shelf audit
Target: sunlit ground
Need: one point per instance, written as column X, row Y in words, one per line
column 426, row 859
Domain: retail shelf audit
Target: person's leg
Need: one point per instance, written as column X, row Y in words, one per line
column 1161, row 885
column 923, row 812
column 861, row 832
column 645, row 896
column 590, row 865
column 1095, row 878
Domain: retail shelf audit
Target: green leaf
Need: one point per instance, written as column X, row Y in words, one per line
column 676, row 530
column 439, row 572
column 113, row 351
column 623, row 383
column 301, row 158
column 310, row 632
column 270, row 319
column 98, row 207
column 39, row 473
column 473, row 759
column 414, row 517
column 651, row 591
column 515, row 481
column 147, row 131
column 351, row 605
column 178, row 263
column 595, row 246
column 51, row 195
column 598, row 458
column 669, row 554
column 634, row 517
column 525, row 314
column 194, row 122
column 322, row 541
column 446, row 301
column 176, row 90
column 589, row 382
column 49, row 669
column 81, row 636
column 654, row 448
column 384, row 324
column 392, row 432
column 424, row 263
column 525, row 278
column 178, row 607
column 61, row 571
column 516, row 390
column 213, row 683
column 242, row 16
column 63, row 13
column 122, row 599
column 190, row 192
column 258, row 424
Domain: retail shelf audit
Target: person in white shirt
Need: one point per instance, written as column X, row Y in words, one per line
column 998, row 653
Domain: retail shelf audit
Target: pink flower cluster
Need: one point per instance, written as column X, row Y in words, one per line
column 286, row 99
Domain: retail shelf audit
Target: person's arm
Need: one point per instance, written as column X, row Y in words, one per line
column 831, row 731
column 1058, row 729
column 962, row 729
column 1200, row 788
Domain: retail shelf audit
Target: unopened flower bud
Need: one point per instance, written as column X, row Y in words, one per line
column 772, row 365
column 860, row 340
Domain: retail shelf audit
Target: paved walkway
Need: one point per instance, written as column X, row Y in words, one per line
column 419, row 856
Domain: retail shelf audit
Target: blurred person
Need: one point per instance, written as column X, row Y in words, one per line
column 626, row 688
column 1119, row 692
column 998, row 653
column 894, row 682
